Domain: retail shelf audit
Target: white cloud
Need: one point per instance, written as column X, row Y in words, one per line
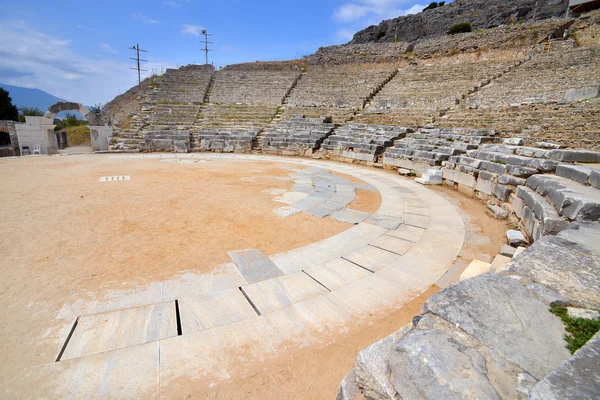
column 31, row 58
column 357, row 10
column 145, row 19
column 194, row 30
column 171, row 3
column 107, row 48
column 345, row 34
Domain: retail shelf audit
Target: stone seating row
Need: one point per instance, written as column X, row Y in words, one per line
column 221, row 141
column 299, row 136
column 344, row 86
column 436, row 87
column 572, row 125
column 252, row 87
column 236, row 117
column 544, row 78
column 362, row 143
column 337, row 115
column 430, row 147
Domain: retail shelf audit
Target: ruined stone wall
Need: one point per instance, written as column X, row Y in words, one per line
column 12, row 131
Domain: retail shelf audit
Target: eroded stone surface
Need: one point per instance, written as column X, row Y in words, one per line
column 505, row 317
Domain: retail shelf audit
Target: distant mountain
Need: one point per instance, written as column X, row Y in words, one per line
column 24, row 97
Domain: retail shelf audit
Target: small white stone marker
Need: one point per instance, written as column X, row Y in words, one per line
column 115, row 178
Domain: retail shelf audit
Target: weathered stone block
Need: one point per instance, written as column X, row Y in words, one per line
column 506, row 318
column 576, row 378
column 515, row 238
column 564, row 266
column 502, row 192
column 575, row 156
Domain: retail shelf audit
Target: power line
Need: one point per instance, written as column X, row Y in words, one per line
column 137, row 59
column 206, row 43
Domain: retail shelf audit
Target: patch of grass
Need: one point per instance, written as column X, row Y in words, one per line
column 498, row 162
column 78, row 135
column 579, row 330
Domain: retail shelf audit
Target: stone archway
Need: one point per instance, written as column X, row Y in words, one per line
column 93, row 119
column 99, row 131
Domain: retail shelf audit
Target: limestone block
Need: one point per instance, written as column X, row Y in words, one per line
column 442, row 375
column 552, row 223
column 507, row 251
column 511, row 180
column 547, row 295
column 506, row 318
column 493, row 167
column 582, row 313
column 348, row 389
column 568, row 268
column 371, row 367
column 514, row 141
column 497, row 211
column 515, row 238
column 475, row 268
column 575, row 173
column 500, row 263
column 576, row 378
column 517, row 205
column 502, row 192
column 464, row 179
column 575, row 156
column 484, row 186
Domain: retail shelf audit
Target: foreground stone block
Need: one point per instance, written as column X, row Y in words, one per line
column 505, row 317
column 372, row 367
column 569, row 268
column 576, row 378
column 515, row 238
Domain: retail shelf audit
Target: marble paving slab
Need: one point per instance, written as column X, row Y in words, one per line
column 254, row 265
column 113, row 330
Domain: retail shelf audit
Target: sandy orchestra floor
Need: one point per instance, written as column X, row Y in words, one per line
column 69, row 238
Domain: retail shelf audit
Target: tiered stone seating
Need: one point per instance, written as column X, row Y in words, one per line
column 544, row 78
column 298, row 136
column 572, row 125
column 360, row 53
column 252, row 87
column 175, row 98
column 361, row 142
column 548, row 202
column 126, row 140
column 337, row 115
column 177, row 142
column 232, row 127
column 345, row 87
column 418, row 93
column 432, row 146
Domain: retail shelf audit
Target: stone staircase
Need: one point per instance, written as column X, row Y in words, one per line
column 299, row 136
column 361, row 142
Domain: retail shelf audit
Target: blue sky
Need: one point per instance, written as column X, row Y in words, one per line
column 80, row 51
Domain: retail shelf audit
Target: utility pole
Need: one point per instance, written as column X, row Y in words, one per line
column 137, row 59
column 206, row 43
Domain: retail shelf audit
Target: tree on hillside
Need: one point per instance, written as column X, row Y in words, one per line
column 29, row 112
column 7, row 110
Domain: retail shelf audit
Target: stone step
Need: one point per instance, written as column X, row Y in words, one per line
column 537, row 214
column 580, row 174
column 571, row 199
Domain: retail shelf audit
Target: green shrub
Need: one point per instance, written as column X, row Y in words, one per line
column 463, row 27
column 579, row 330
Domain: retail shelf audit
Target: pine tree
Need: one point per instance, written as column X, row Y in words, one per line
column 7, row 110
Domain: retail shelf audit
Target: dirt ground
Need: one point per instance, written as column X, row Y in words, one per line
column 65, row 234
